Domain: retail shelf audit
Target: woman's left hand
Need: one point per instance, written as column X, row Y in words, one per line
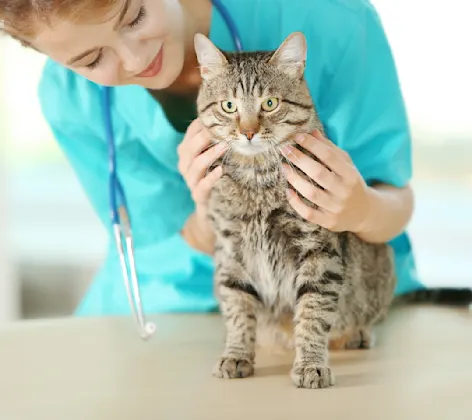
column 344, row 202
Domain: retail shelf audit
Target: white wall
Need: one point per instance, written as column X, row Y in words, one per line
column 8, row 284
column 8, row 281
column 431, row 43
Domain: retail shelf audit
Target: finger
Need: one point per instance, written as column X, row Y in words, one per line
column 317, row 135
column 195, row 126
column 315, row 170
column 343, row 154
column 192, row 148
column 202, row 191
column 315, row 216
column 332, row 156
column 200, row 165
column 311, row 192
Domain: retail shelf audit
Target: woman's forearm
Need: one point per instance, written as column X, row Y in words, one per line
column 198, row 234
column 390, row 211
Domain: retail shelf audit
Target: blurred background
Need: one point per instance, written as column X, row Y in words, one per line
column 51, row 243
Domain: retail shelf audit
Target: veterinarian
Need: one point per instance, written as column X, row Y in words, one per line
column 142, row 50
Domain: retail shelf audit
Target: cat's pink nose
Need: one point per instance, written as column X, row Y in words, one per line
column 249, row 134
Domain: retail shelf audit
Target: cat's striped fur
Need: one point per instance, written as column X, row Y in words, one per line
column 276, row 273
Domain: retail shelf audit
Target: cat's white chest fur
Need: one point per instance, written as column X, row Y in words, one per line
column 276, row 286
column 272, row 278
column 249, row 225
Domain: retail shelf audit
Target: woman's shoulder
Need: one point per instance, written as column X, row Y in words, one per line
column 330, row 20
column 64, row 94
column 350, row 7
column 328, row 25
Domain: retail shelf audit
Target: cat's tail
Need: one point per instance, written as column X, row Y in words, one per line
column 437, row 296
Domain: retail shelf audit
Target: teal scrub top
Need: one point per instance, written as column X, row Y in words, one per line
column 352, row 77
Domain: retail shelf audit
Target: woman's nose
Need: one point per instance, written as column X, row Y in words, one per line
column 131, row 61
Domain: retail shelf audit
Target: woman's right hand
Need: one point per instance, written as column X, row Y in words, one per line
column 195, row 157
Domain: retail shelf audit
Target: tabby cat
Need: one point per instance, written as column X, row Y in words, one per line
column 274, row 269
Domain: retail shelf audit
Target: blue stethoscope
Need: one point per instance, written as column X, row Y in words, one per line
column 119, row 209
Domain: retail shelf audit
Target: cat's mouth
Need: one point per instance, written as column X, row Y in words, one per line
column 251, row 146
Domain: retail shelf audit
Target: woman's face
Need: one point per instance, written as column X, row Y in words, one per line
column 142, row 43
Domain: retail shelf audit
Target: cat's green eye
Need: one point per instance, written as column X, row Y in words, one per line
column 229, row 107
column 270, row 104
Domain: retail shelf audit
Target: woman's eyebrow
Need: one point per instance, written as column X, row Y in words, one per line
column 122, row 15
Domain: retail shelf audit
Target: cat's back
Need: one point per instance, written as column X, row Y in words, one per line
column 369, row 280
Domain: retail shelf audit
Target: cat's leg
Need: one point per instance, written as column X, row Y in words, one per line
column 360, row 338
column 238, row 305
column 318, row 285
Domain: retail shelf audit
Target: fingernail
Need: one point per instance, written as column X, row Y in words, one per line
column 300, row 138
column 220, row 147
column 316, row 133
column 218, row 171
column 289, row 193
column 284, row 169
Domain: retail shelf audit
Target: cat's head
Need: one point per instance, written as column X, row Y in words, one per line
column 255, row 101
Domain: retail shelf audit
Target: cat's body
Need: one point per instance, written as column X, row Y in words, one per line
column 262, row 234
column 275, row 271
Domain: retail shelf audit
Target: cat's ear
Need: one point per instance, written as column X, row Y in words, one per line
column 290, row 57
column 210, row 58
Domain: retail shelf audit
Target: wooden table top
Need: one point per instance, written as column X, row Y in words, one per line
column 98, row 369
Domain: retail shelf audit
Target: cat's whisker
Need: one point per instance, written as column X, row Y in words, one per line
column 294, row 169
column 291, row 165
column 294, row 156
column 224, row 157
column 273, row 150
column 213, row 143
column 281, row 160
column 211, row 164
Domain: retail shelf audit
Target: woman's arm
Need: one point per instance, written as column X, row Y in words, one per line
column 390, row 210
column 366, row 190
column 199, row 234
column 165, row 262
column 376, row 213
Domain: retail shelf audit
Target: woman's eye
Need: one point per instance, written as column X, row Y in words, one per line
column 139, row 18
column 96, row 62
column 270, row 104
column 229, row 107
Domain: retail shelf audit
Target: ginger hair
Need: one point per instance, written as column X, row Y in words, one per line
column 22, row 18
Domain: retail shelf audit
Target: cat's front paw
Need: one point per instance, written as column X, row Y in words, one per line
column 231, row 367
column 307, row 375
